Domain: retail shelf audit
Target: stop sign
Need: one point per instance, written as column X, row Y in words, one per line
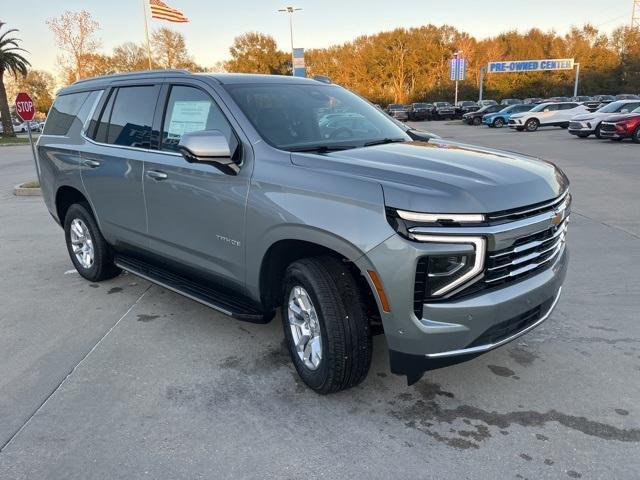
column 25, row 108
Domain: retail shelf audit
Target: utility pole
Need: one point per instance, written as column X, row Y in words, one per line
column 635, row 14
column 290, row 10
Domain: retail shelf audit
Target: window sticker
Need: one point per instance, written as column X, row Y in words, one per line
column 188, row 116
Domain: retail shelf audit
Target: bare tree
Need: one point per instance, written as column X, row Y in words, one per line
column 170, row 49
column 74, row 33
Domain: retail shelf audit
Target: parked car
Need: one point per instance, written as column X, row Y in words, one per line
column 582, row 99
column 586, row 124
column 475, row 118
column 398, row 111
column 420, row 111
column 21, row 127
column 627, row 96
column 443, row 111
column 466, row 106
column 533, row 100
column 511, row 101
column 501, row 118
column 604, row 99
column 556, row 100
column 549, row 114
column 485, row 103
column 619, row 127
column 239, row 201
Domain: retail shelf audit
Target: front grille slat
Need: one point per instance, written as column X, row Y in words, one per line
column 539, row 249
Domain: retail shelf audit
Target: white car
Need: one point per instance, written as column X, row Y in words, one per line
column 550, row 114
column 586, row 124
column 20, row 127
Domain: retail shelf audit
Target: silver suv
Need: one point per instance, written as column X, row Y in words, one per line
column 250, row 193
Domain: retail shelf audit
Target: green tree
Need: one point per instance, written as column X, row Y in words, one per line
column 13, row 63
column 255, row 52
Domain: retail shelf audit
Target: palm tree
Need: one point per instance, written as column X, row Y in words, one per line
column 12, row 62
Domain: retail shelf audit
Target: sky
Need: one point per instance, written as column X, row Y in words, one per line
column 321, row 23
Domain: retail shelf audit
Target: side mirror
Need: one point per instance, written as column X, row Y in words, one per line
column 546, row 110
column 211, row 147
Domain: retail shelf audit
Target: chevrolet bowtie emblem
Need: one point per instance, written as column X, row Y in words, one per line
column 557, row 218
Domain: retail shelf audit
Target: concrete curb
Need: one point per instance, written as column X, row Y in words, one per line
column 20, row 191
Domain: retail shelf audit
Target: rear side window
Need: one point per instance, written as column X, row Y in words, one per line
column 127, row 117
column 63, row 112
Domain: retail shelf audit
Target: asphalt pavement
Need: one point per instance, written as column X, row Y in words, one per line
column 126, row 380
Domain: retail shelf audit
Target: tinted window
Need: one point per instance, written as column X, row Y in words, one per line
column 127, row 117
column 132, row 116
column 190, row 109
column 63, row 112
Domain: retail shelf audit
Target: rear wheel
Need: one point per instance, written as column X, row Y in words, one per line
column 532, row 125
column 89, row 252
column 326, row 327
column 635, row 136
column 477, row 121
column 498, row 122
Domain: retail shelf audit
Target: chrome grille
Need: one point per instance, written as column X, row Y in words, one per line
column 575, row 125
column 558, row 203
column 607, row 127
column 528, row 254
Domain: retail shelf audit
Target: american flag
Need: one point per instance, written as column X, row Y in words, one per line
column 163, row 11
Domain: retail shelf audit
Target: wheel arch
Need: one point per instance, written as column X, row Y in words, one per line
column 67, row 196
column 284, row 252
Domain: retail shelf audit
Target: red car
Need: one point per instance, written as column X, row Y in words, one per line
column 618, row 127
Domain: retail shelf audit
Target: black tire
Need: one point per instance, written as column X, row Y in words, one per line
column 532, row 124
column 477, row 121
column 344, row 325
column 582, row 135
column 597, row 132
column 635, row 136
column 498, row 122
column 102, row 267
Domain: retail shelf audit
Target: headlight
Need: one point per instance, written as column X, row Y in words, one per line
column 444, row 273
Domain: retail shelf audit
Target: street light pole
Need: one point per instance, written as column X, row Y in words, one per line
column 290, row 11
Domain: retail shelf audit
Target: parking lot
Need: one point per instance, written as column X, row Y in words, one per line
column 123, row 379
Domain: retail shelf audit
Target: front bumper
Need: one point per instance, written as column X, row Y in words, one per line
column 452, row 330
column 580, row 127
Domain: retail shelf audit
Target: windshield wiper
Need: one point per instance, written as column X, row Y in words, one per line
column 321, row 148
column 383, row 141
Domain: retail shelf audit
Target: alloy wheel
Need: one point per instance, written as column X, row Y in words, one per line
column 305, row 327
column 81, row 243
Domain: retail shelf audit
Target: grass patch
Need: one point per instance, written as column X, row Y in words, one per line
column 13, row 140
column 31, row 184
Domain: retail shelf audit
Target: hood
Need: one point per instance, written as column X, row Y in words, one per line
column 621, row 117
column 445, row 177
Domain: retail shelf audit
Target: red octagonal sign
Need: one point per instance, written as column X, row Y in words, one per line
column 25, row 108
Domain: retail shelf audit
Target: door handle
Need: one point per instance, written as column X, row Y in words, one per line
column 91, row 163
column 157, row 175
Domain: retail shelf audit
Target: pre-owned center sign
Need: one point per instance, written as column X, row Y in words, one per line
column 551, row 64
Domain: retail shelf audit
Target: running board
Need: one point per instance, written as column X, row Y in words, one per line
column 230, row 305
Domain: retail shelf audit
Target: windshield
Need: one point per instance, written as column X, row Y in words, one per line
column 637, row 110
column 299, row 117
column 442, row 104
column 420, row 105
column 611, row 107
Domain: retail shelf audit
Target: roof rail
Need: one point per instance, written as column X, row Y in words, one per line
column 142, row 73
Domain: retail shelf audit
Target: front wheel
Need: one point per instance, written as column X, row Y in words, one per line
column 477, row 121
column 326, row 327
column 635, row 137
column 597, row 132
column 498, row 122
column 89, row 252
column 532, row 125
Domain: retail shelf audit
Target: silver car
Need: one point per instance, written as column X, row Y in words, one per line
column 253, row 193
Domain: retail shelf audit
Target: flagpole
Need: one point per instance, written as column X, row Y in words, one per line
column 146, row 32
